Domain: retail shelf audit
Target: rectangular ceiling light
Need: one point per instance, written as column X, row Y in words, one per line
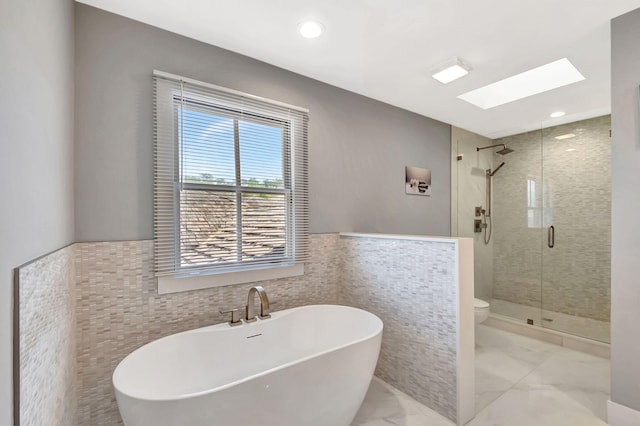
column 452, row 70
column 538, row 80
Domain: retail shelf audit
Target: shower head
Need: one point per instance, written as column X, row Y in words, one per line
column 503, row 151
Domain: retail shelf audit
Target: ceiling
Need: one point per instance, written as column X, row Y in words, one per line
column 387, row 49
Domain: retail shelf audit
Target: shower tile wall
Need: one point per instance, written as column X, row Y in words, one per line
column 118, row 309
column 577, row 188
column 469, row 192
column 46, row 316
column 516, row 246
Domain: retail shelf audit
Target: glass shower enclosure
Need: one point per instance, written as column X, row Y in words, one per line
column 539, row 214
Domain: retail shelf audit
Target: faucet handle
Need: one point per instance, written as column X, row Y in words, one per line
column 236, row 316
column 248, row 315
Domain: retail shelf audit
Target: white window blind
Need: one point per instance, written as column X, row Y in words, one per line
column 230, row 174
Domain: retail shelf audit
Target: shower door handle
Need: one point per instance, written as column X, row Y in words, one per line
column 551, row 237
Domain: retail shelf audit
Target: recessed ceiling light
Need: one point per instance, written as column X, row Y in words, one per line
column 557, row 114
column 538, row 80
column 570, row 149
column 451, row 70
column 310, row 29
column 566, row 136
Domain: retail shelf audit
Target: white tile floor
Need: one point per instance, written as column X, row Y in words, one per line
column 386, row 405
column 519, row 381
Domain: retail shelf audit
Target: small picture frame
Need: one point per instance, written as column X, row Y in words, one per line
column 417, row 181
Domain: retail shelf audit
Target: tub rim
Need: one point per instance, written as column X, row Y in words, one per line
column 282, row 314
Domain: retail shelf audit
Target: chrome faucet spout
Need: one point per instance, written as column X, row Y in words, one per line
column 265, row 310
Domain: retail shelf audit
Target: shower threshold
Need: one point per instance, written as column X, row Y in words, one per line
column 579, row 326
column 587, row 334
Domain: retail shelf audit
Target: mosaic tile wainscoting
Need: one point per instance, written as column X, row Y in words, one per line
column 118, row 309
column 44, row 358
column 422, row 289
column 84, row 308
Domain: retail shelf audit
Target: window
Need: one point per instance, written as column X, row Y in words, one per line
column 539, row 206
column 533, row 210
column 230, row 185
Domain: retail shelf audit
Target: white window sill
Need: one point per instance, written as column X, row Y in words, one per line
column 175, row 284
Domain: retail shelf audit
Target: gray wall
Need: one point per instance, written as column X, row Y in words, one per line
column 36, row 141
column 625, row 205
column 358, row 147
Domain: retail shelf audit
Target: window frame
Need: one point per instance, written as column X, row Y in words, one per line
column 184, row 278
column 238, row 189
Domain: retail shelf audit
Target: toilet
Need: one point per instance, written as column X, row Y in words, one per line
column 481, row 310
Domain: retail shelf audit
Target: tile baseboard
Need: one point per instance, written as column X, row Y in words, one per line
column 621, row 415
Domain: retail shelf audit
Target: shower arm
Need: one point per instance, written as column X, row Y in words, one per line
column 497, row 168
column 491, row 146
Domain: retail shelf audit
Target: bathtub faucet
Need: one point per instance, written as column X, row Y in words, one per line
column 264, row 304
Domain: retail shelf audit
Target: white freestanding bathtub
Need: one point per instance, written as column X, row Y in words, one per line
column 310, row 365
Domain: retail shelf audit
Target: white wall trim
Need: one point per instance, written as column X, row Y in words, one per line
column 621, row 415
column 465, row 353
column 401, row 237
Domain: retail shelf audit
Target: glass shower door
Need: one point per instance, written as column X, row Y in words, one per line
column 506, row 227
column 576, row 228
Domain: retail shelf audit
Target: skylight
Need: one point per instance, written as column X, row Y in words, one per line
column 538, row 80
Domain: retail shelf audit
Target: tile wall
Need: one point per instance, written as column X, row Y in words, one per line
column 413, row 287
column 516, row 245
column 114, row 309
column 46, row 361
column 469, row 193
column 119, row 310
